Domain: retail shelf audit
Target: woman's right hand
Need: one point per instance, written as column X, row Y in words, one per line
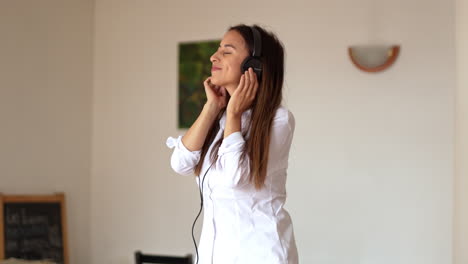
column 216, row 95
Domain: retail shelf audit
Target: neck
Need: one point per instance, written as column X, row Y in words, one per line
column 231, row 88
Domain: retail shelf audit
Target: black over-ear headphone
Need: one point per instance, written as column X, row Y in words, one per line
column 254, row 60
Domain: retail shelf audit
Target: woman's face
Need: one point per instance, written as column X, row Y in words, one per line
column 226, row 61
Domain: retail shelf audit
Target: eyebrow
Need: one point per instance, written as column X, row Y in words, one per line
column 228, row 45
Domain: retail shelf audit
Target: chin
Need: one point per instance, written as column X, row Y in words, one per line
column 215, row 81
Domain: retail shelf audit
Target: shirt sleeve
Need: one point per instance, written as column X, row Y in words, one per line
column 229, row 153
column 183, row 161
column 236, row 174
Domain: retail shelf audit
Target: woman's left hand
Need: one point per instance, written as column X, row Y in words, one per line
column 244, row 94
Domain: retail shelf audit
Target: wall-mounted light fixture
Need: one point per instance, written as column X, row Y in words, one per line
column 373, row 58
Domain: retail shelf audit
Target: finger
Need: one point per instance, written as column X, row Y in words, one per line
column 241, row 84
column 252, row 78
column 247, row 85
column 255, row 86
column 247, row 80
column 251, row 84
column 207, row 81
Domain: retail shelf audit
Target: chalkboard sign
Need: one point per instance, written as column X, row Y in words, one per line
column 33, row 227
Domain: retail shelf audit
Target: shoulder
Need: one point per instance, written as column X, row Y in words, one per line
column 284, row 116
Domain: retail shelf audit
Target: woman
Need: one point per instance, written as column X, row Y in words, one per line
column 238, row 148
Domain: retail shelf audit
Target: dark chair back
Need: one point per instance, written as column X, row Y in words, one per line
column 141, row 258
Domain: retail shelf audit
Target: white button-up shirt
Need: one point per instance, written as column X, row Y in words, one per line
column 243, row 225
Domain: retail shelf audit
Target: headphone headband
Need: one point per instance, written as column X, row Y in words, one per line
column 257, row 43
column 254, row 61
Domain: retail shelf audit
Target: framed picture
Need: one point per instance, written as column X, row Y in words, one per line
column 194, row 68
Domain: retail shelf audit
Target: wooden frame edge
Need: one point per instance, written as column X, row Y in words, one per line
column 42, row 198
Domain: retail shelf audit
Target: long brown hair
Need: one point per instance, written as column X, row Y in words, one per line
column 268, row 99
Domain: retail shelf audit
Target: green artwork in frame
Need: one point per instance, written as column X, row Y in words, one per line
column 194, row 68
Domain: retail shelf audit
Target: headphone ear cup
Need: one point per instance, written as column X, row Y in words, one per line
column 244, row 66
column 256, row 65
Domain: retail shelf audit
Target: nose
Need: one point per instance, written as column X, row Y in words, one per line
column 214, row 57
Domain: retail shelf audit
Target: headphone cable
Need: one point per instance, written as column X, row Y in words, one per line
column 200, row 188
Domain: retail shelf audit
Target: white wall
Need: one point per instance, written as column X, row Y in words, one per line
column 45, row 106
column 461, row 140
column 370, row 178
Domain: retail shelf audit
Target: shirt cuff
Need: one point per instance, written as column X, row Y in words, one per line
column 177, row 143
column 233, row 143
